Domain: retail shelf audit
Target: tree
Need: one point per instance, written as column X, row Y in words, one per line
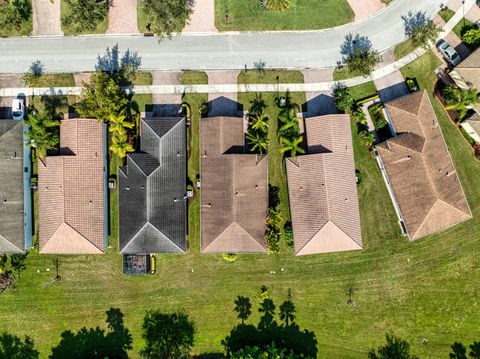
column 3, row 262
column 292, row 146
column 101, row 98
column 257, row 142
column 120, row 146
column 43, row 133
column 459, row 100
column 359, row 55
column 458, row 351
column 166, row 16
column 287, row 312
column 343, row 100
column 85, row 15
column 257, row 105
column 119, row 123
column 243, row 307
column 395, row 348
column 420, row 29
column 475, row 350
column 12, row 347
column 259, row 121
column 269, row 352
column 167, row 336
column 17, row 262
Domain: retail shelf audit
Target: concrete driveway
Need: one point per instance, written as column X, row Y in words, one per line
column 391, row 87
column 46, row 17
column 122, row 17
column 365, row 8
column 202, row 18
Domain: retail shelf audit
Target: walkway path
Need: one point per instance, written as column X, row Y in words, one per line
column 203, row 17
column 294, row 49
column 46, row 17
column 122, row 17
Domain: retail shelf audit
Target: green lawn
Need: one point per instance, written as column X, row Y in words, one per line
column 142, row 102
column 270, row 77
column 362, row 91
column 403, row 49
column 248, row 15
column 143, row 79
column 447, row 14
column 65, row 12
column 340, row 74
column 54, row 80
column 194, row 78
column 426, row 289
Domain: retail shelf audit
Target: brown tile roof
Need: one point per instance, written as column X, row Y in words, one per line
column 234, row 193
column 469, row 69
column 322, row 189
column 71, row 191
column 420, row 170
column 474, row 122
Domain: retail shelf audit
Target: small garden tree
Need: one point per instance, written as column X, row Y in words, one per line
column 167, row 336
column 394, row 348
column 43, row 133
column 420, row 29
column 359, row 55
column 85, row 15
column 459, row 100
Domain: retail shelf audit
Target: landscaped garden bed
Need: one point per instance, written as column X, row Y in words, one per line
column 15, row 17
column 380, row 122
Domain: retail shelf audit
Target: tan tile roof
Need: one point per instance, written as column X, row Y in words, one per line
column 71, row 191
column 420, row 170
column 469, row 69
column 474, row 122
column 234, row 193
column 322, row 189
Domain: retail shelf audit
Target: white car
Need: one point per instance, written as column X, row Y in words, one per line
column 448, row 53
column 18, row 109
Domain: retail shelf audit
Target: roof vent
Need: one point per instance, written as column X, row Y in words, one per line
column 127, row 188
column 236, row 191
column 178, row 154
column 256, row 186
column 46, row 188
column 142, row 186
column 96, row 155
column 89, row 202
column 301, row 188
column 346, row 199
column 5, row 200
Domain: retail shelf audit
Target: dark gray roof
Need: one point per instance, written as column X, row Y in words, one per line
column 11, row 187
column 151, row 190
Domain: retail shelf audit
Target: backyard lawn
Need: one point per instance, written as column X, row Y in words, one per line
column 249, row 15
column 426, row 291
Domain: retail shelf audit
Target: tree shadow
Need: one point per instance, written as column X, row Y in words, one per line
column 413, row 21
column 54, row 106
column 352, row 43
column 273, row 196
column 120, row 66
column 96, row 343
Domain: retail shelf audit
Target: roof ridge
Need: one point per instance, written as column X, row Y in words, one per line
column 239, row 226
column 76, row 230
column 160, row 119
column 2, row 238
column 349, row 236
column 148, row 223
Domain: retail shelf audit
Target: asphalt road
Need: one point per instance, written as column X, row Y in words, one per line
column 313, row 49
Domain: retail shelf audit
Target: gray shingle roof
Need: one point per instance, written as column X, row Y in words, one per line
column 11, row 187
column 151, row 190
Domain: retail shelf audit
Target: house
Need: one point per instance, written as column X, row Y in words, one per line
column 418, row 170
column 71, row 191
column 152, row 188
column 322, row 189
column 467, row 73
column 472, row 127
column 12, row 231
column 234, row 193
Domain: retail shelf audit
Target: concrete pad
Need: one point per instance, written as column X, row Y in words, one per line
column 10, row 80
column 224, row 104
column 365, row 8
column 46, row 17
column 202, row 18
column 473, row 14
column 166, row 105
column 318, row 75
column 319, row 103
column 391, row 87
column 166, row 77
column 222, row 77
column 122, row 17
column 81, row 77
column 387, row 58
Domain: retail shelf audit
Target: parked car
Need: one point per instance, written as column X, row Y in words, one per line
column 18, row 109
column 448, row 53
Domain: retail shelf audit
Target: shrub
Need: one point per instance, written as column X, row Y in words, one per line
column 367, row 138
column 288, row 234
column 203, row 110
column 476, row 150
column 472, row 37
column 275, row 5
column 229, row 257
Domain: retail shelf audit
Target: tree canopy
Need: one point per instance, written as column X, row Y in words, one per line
column 85, row 15
column 166, row 16
column 395, row 348
column 420, row 29
column 359, row 55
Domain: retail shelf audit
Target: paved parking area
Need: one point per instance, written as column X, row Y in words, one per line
column 202, row 18
column 391, row 87
column 365, row 8
column 122, row 17
column 320, row 102
column 166, row 105
column 46, row 17
column 224, row 104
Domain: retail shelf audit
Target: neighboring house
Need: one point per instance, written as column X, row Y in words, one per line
column 152, row 190
column 472, row 127
column 12, row 239
column 234, row 193
column 71, row 191
column 418, row 169
column 467, row 73
column 322, row 189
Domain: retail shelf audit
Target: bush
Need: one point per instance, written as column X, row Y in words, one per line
column 275, row 5
column 229, row 257
column 472, row 37
column 288, row 234
column 476, row 150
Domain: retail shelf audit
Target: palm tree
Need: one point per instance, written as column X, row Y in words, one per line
column 41, row 134
column 257, row 142
column 290, row 123
column 459, row 100
column 258, row 121
column 292, row 146
column 120, row 146
column 257, row 105
column 243, row 307
column 287, row 312
column 119, row 124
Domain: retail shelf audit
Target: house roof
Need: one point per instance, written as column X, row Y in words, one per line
column 71, row 191
column 11, row 187
column 322, row 189
column 474, row 122
column 469, row 69
column 420, row 170
column 234, row 195
column 152, row 189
